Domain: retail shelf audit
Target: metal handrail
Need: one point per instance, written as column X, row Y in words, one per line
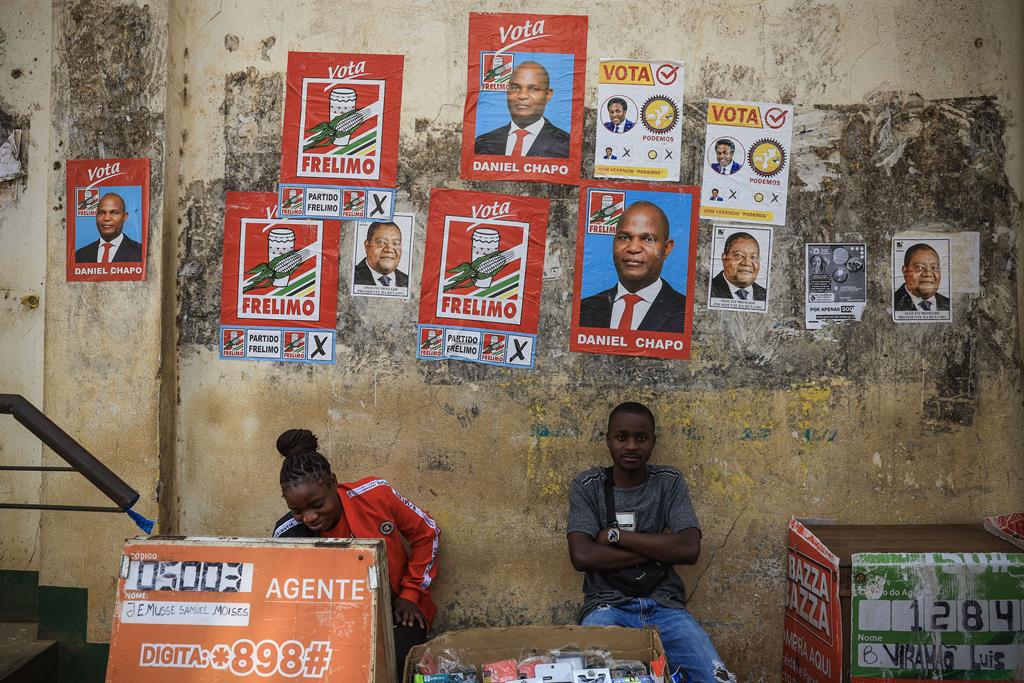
column 33, row 419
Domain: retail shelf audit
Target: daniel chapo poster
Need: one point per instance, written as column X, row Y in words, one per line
column 107, row 219
column 523, row 117
column 636, row 250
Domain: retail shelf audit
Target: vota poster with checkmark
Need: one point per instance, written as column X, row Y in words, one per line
column 279, row 291
column 523, row 118
column 481, row 281
column 747, row 155
column 639, row 106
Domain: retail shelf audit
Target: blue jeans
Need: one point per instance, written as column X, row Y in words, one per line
column 687, row 646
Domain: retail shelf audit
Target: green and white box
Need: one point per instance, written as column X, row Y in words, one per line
column 928, row 616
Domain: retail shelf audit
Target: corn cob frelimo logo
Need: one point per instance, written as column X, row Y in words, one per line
column 294, row 344
column 86, row 201
column 293, row 201
column 496, row 70
column 341, row 123
column 279, row 270
column 483, row 265
column 353, row 203
column 431, row 342
column 604, row 208
column 233, row 342
column 341, row 119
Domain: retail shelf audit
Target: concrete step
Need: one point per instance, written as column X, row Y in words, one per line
column 23, row 659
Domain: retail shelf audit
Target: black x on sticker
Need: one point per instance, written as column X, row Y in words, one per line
column 625, row 152
column 319, row 342
column 378, row 205
column 775, row 199
column 668, row 154
column 732, row 194
column 520, row 349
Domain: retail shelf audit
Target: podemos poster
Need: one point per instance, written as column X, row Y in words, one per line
column 523, row 116
column 639, row 106
column 747, row 152
column 107, row 219
column 636, row 246
column 481, row 282
column 279, row 292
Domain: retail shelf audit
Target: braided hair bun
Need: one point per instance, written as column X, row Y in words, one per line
column 302, row 461
column 296, row 441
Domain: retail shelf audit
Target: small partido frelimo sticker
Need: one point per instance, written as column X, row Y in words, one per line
column 279, row 291
column 481, row 282
column 107, row 219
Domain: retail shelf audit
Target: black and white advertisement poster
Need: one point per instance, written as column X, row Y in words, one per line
column 835, row 283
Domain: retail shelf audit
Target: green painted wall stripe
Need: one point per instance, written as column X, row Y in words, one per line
column 19, row 595
column 62, row 615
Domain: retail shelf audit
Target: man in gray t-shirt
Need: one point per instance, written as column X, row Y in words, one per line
column 654, row 520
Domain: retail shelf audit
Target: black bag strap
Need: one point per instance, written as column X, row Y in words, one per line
column 609, row 498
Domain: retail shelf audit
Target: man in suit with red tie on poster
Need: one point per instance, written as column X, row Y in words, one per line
column 529, row 133
column 641, row 299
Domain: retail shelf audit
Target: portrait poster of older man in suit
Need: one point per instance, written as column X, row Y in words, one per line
column 921, row 279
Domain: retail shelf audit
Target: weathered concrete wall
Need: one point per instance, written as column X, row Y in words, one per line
column 102, row 354
column 908, row 115
column 24, row 105
column 866, row 423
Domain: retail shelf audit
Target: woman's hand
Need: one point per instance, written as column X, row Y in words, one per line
column 407, row 613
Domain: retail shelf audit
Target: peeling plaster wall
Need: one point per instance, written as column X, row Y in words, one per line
column 908, row 115
column 102, row 372
column 25, row 105
column 868, row 423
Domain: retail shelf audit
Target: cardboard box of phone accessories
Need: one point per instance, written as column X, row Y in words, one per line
column 482, row 645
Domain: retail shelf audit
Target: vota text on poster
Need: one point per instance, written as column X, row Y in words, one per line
column 523, row 116
column 482, row 270
column 107, row 219
column 636, row 246
column 747, row 150
column 639, row 104
column 279, row 272
column 341, row 119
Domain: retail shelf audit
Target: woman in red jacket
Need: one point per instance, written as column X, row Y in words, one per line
column 369, row 508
